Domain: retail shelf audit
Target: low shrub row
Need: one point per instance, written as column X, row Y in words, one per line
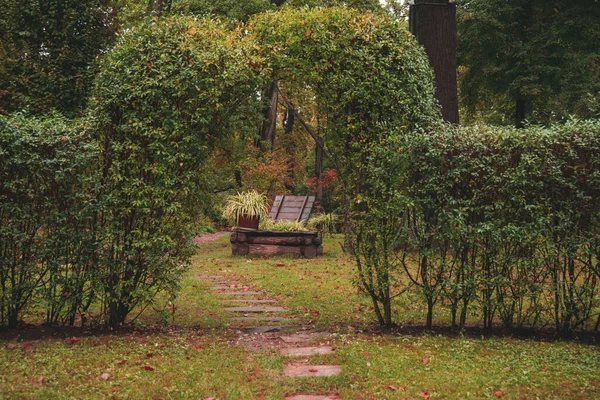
column 48, row 230
column 495, row 222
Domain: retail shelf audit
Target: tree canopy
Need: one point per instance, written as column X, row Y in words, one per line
column 534, row 59
column 48, row 49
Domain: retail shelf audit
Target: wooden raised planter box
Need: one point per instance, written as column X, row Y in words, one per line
column 268, row 243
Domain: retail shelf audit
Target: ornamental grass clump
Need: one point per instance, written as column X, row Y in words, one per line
column 325, row 223
column 250, row 203
column 269, row 224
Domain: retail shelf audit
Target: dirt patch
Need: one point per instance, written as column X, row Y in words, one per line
column 208, row 237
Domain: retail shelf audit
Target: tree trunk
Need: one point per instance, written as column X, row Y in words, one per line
column 433, row 22
column 519, row 111
column 267, row 133
column 318, row 171
column 429, row 320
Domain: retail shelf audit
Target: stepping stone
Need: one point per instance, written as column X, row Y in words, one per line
column 254, row 309
column 301, row 337
column 311, row 397
column 250, row 301
column 263, row 319
column 226, row 288
column 311, row 370
column 266, row 329
column 242, row 293
column 305, row 351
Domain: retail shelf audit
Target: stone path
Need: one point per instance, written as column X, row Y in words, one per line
column 256, row 308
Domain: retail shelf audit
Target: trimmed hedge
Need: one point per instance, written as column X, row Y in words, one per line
column 47, row 208
column 505, row 223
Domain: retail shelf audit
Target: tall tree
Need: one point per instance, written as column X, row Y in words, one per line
column 529, row 59
column 229, row 9
column 433, row 22
column 47, row 49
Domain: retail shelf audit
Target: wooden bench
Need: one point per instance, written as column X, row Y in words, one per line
column 307, row 244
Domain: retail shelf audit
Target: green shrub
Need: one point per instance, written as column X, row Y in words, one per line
column 507, row 219
column 47, row 228
column 163, row 98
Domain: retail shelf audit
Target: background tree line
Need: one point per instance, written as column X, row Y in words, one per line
column 517, row 60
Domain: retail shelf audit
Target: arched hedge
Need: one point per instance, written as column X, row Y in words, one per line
column 168, row 89
column 373, row 87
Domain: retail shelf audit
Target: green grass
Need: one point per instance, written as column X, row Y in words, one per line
column 193, row 352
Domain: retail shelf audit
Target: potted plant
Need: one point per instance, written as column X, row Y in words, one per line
column 245, row 209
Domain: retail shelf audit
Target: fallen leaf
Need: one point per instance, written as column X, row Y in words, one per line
column 424, row 395
column 210, row 398
column 315, row 313
column 73, row 340
column 105, row 376
column 280, row 265
column 312, row 370
column 425, row 360
column 506, row 369
column 27, row 345
column 38, row 382
column 148, row 367
column 368, row 363
column 402, row 387
column 498, row 394
column 11, row 346
column 392, row 387
column 366, row 354
column 149, row 355
column 307, row 33
column 122, row 362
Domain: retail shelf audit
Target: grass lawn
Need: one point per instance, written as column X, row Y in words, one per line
column 192, row 352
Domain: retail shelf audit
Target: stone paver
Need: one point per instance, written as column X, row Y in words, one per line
column 305, row 351
column 302, row 337
column 230, row 288
column 249, row 293
column 210, row 277
column 265, row 329
column 311, row 370
column 311, row 397
column 250, row 301
column 263, row 319
column 254, row 309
